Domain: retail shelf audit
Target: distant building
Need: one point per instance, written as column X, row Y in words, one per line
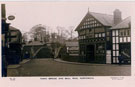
column 100, row 34
column 35, row 43
column 72, row 48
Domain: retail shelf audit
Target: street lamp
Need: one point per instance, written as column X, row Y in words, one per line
column 5, row 36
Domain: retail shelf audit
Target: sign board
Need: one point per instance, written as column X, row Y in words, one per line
column 11, row 17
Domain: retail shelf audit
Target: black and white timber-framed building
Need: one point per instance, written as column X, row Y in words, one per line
column 100, row 35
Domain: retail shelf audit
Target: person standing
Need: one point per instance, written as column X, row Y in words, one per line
column 120, row 58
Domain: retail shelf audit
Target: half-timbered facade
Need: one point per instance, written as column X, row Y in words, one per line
column 121, row 40
column 95, row 36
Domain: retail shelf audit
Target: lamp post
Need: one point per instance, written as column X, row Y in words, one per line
column 5, row 27
column 5, row 36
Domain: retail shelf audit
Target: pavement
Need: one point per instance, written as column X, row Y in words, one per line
column 18, row 65
column 88, row 64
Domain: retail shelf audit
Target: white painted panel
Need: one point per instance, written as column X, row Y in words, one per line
column 117, row 40
column 117, row 53
column 103, row 34
column 99, row 35
column 113, row 46
column 113, row 39
column 117, row 46
column 113, row 53
column 113, row 33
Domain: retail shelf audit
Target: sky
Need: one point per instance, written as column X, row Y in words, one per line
column 65, row 14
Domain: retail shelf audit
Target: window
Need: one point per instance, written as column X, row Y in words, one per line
column 83, row 37
column 128, row 39
column 121, row 39
column 108, row 33
column 128, row 32
column 96, row 35
column 124, row 32
column 121, row 32
column 103, row 34
column 125, row 39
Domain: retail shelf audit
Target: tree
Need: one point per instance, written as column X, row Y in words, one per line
column 38, row 32
column 25, row 37
column 61, row 37
column 71, row 33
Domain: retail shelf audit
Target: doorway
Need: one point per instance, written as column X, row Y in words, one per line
column 90, row 53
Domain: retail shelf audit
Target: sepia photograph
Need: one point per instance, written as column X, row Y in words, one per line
column 65, row 39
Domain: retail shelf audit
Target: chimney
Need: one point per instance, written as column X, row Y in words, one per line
column 117, row 16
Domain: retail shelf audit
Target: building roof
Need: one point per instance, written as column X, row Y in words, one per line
column 74, row 43
column 34, row 43
column 105, row 19
column 13, row 28
column 124, row 24
column 73, row 48
column 14, row 31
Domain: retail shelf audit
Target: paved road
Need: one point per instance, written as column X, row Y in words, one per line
column 49, row 67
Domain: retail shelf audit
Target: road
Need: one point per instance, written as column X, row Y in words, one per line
column 49, row 67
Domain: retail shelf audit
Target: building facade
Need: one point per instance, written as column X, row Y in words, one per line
column 121, row 40
column 95, row 36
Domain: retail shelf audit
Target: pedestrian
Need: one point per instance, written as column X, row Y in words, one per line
column 27, row 55
column 120, row 58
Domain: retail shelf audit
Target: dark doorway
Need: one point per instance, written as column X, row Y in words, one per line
column 90, row 53
column 126, row 47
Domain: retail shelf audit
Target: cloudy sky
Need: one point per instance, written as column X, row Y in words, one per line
column 65, row 14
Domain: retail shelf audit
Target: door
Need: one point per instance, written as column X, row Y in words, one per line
column 90, row 53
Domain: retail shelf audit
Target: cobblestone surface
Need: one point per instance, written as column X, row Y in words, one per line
column 49, row 67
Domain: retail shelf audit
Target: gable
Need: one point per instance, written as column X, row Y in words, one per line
column 88, row 22
column 95, row 19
